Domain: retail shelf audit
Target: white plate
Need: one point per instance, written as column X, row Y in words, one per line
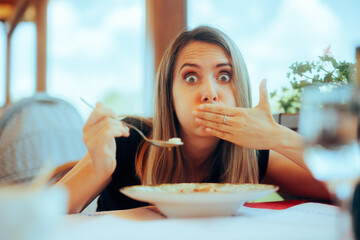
column 174, row 203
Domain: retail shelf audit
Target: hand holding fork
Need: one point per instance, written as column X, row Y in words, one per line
column 172, row 142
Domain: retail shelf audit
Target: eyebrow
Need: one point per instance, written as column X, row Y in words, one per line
column 197, row 66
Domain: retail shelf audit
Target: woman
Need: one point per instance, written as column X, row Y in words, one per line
column 202, row 96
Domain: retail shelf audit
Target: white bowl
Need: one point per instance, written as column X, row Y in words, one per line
column 28, row 215
column 184, row 200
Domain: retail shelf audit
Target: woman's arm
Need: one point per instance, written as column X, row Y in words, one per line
column 289, row 144
column 293, row 179
column 287, row 169
column 93, row 173
column 84, row 183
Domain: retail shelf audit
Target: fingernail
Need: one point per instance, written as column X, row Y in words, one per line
column 195, row 112
column 201, row 107
column 198, row 120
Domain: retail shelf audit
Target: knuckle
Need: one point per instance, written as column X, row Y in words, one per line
column 242, row 120
column 97, row 111
column 108, row 133
column 242, row 123
column 107, row 121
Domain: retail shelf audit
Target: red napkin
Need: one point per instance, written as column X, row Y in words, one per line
column 275, row 205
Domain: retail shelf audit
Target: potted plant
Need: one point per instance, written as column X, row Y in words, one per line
column 325, row 70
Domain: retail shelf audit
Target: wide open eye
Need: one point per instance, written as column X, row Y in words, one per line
column 224, row 77
column 191, row 79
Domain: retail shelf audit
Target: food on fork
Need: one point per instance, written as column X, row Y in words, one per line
column 176, row 141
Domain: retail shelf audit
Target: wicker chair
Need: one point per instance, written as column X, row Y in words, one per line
column 36, row 130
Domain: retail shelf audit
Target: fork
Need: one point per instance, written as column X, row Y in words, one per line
column 173, row 142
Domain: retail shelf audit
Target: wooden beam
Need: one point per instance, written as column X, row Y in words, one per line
column 164, row 20
column 7, row 87
column 10, row 25
column 41, row 25
column 16, row 16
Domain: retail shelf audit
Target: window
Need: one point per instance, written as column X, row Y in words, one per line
column 22, row 65
column 96, row 51
column 274, row 34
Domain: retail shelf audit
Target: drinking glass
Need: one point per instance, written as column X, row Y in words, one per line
column 329, row 126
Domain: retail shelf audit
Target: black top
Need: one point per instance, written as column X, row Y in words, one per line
column 355, row 211
column 125, row 174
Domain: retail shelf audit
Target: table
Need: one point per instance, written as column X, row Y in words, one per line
column 279, row 220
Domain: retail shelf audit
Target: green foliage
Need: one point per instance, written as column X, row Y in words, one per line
column 326, row 70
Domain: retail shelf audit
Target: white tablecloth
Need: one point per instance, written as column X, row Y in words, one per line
column 305, row 221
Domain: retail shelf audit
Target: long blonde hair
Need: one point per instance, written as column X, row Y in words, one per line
column 159, row 165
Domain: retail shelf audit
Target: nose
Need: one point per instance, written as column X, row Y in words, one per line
column 209, row 92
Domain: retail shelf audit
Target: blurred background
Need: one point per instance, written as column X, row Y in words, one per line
column 108, row 50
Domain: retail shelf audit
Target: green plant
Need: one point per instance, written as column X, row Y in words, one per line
column 326, row 70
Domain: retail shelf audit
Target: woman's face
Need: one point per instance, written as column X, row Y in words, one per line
column 203, row 74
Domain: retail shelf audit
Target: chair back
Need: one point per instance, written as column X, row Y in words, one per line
column 35, row 130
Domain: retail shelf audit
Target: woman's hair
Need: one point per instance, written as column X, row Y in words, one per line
column 156, row 165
